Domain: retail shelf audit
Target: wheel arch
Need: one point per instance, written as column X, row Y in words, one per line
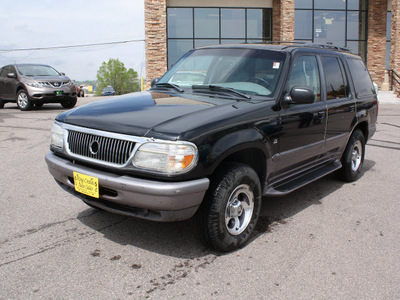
column 246, row 146
column 363, row 126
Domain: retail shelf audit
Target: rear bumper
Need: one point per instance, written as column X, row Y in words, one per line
column 126, row 195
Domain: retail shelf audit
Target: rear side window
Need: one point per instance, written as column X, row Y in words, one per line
column 336, row 82
column 362, row 81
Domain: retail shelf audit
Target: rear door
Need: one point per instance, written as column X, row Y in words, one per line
column 341, row 105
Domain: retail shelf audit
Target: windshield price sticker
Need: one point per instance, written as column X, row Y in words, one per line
column 276, row 65
column 87, row 185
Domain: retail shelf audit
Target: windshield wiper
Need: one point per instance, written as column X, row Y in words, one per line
column 170, row 85
column 218, row 88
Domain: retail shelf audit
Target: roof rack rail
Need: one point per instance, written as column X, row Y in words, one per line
column 310, row 45
column 327, row 46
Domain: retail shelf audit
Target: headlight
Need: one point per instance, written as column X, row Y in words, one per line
column 35, row 84
column 167, row 158
column 57, row 138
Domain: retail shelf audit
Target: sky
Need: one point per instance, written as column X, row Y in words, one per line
column 33, row 24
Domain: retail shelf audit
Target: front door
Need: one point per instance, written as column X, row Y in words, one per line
column 302, row 126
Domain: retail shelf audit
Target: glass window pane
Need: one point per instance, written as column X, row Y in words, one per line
column 329, row 27
column 329, row 4
column 303, row 3
column 258, row 23
column 303, row 24
column 208, row 42
column 356, row 25
column 180, row 22
column 305, row 73
column 358, row 48
column 233, row 41
column 206, row 22
column 177, row 48
column 335, row 84
column 258, row 41
column 362, row 80
column 357, row 4
column 232, row 23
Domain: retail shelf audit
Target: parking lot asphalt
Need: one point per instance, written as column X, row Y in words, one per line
column 328, row 240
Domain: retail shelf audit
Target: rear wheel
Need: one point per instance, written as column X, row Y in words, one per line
column 1, row 104
column 353, row 157
column 23, row 101
column 69, row 103
column 231, row 207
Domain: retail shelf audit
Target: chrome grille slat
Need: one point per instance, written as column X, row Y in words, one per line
column 111, row 150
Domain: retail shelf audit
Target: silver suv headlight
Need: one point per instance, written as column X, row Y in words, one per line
column 35, row 84
column 57, row 136
column 166, row 158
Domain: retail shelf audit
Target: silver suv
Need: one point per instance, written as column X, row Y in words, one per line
column 29, row 84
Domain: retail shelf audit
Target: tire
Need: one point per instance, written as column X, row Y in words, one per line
column 1, row 104
column 353, row 157
column 23, row 101
column 230, row 210
column 39, row 104
column 69, row 103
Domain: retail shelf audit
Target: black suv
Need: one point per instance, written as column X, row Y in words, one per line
column 223, row 127
column 29, row 84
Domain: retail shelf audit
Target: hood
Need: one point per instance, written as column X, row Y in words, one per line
column 153, row 114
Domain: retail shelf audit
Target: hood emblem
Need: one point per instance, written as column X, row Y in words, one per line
column 94, row 147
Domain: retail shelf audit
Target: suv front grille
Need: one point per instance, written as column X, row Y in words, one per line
column 106, row 149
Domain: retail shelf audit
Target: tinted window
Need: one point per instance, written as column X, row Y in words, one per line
column 336, row 84
column 305, row 73
column 362, row 80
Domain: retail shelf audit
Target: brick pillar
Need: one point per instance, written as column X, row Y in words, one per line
column 155, row 18
column 376, row 47
column 395, row 41
column 283, row 20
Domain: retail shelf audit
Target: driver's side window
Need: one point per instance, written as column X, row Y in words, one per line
column 305, row 73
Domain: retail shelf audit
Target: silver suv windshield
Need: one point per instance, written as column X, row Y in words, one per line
column 249, row 71
column 37, row 71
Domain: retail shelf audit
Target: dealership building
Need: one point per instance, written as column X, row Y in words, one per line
column 366, row 27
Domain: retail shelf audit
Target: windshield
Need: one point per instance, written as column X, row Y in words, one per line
column 37, row 71
column 254, row 72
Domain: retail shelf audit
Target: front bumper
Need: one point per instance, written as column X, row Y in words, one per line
column 49, row 94
column 126, row 195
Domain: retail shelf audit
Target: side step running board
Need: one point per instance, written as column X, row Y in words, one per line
column 288, row 186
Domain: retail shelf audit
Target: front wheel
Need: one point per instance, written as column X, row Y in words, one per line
column 353, row 157
column 231, row 207
column 23, row 101
column 69, row 103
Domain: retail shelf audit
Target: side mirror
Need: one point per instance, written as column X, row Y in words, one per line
column 154, row 81
column 63, row 74
column 300, row 95
column 11, row 75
